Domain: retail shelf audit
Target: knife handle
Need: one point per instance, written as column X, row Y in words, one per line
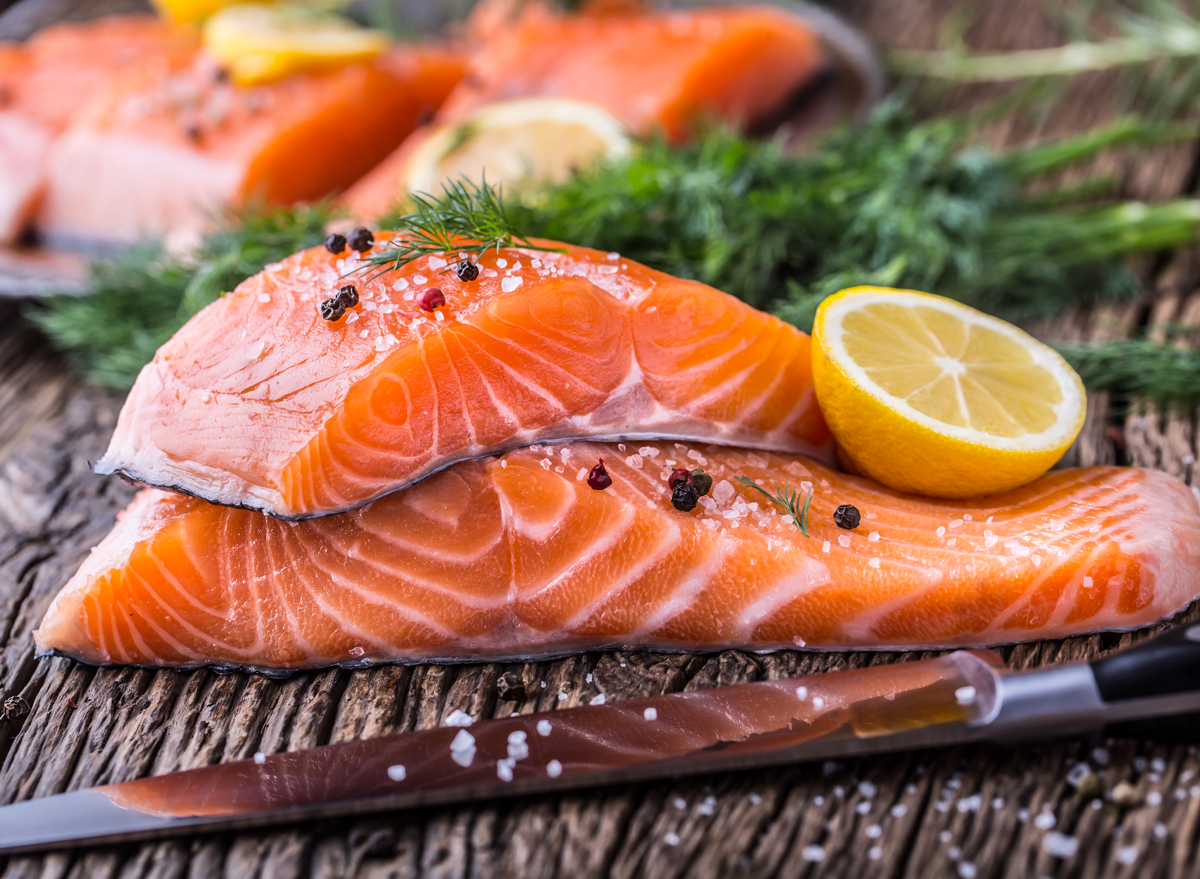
column 1161, row 666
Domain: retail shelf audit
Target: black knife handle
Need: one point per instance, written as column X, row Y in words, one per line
column 1161, row 666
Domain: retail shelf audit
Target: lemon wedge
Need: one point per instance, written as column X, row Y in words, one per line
column 262, row 43
column 928, row 395
column 185, row 11
column 517, row 142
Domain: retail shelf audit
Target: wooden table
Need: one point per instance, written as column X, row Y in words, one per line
column 966, row 812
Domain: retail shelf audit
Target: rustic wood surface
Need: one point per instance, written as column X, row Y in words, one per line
column 965, row 812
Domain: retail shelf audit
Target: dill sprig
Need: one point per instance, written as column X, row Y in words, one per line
column 892, row 202
column 468, row 219
column 786, row 498
column 1137, row 371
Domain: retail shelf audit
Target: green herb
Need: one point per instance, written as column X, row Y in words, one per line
column 1152, row 31
column 468, row 218
column 892, row 202
column 1138, row 370
column 786, row 498
column 137, row 301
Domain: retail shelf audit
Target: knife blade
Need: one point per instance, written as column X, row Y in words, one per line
column 965, row 696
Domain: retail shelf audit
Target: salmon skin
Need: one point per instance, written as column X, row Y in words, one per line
column 163, row 150
column 659, row 73
column 259, row 402
column 517, row 557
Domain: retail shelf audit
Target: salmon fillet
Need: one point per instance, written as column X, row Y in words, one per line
column 162, row 151
column 517, row 557
column 46, row 81
column 259, row 402
column 660, row 72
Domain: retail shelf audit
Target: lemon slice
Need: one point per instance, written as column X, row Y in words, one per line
column 930, row 396
column 184, row 11
column 262, row 43
column 517, row 142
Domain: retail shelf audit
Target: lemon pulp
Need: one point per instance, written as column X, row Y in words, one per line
column 262, row 43
column 931, row 396
column 517, row 142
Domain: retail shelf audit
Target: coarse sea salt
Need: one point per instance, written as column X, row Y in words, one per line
column 1060, row 845
column 397, row 772
column 509, row 284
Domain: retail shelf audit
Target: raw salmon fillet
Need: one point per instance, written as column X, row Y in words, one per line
column 259, row 402
column 517, row 557
column 165, row 150
column 656, row 72
column 46, row 81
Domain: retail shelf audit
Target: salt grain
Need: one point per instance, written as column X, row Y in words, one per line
column 813, row 853
column 1160, row 831
column 1060, row 845
column 967, row 870
column 867, row 789
column 1126, row 854
column 1154, row 798
column 965, row 695
column 510, row 283
column 518, row 747
column 863, row 807
column 843, row 541
column 554, row 769
column 260, row 758
column 397, row 772
column 1045, row 820
column 458, row 717
column 597, row 700
column 671, row 838
column 462, row 749
column 543, row 728
column 504, row 770
column 873, row 563
column 874, row 853
column 650, row 714
column 899, row 810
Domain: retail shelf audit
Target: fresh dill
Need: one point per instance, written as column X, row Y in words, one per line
column 892, row 202
column 468, row 219
column 1138, row 370
column 787, row 499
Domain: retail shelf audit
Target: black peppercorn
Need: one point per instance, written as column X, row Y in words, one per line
column 335, row 243
column 684, row 497
column 467, row 270
column 677, row 476
column 510, row 686
column 331, row 309
column 348, row 296
column 702, row 482
column 361, row 239
column 847, row 516
column 598, row 477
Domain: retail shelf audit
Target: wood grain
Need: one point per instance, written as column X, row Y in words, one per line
column 975, row 811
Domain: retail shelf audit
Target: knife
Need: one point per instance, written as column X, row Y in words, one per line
column 1151, row 690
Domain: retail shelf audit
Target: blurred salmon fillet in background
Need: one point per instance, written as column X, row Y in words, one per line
column 44, row 83
column 656, row 72
column 164, row 150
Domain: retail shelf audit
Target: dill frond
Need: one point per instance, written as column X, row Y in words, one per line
column 468, row 218
column 891, row 202
column 1138, row 370
column 787, row 499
